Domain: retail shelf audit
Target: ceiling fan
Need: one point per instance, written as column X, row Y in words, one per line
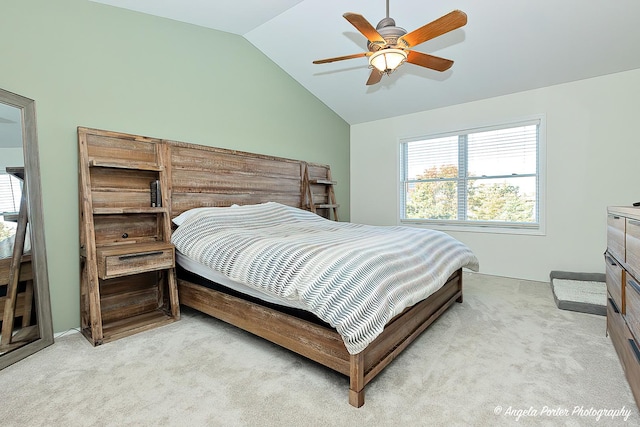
column 390, row 46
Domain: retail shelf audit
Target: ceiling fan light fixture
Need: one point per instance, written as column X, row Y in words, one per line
column 387, row 60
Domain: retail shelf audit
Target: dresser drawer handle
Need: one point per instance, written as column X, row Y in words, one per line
column 634, row 348
column 614, row 216
column 611, row 261
column 614, row 306
column 634, row 222
column 139, row 255
column 634, row 285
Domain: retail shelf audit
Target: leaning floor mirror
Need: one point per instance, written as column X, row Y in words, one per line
column 25, row 308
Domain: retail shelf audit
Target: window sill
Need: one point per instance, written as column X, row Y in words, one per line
column 531, row 230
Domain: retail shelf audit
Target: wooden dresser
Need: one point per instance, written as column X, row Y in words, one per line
column 623, row 287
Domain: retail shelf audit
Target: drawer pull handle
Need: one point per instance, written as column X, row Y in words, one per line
column 614, row 216
column 634, row 222
column 634, row 348
column 634, row 285
column 614, row 306
column 610, row 260
column 139, row 255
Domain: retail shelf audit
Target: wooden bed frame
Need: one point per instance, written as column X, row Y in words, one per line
column 198, row 176
column 206, row 176
column 322, row 344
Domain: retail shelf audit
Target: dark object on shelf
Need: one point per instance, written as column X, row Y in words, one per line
column 156, row 197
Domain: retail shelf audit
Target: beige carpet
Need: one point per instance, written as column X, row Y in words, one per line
column 506, row 356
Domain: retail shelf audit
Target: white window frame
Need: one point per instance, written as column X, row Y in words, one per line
column 538, row 228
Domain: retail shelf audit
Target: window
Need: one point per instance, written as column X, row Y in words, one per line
column 487, row 177
column 10, row 194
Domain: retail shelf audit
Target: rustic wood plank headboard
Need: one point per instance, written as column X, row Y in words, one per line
column 208, row 176
column 204, row 176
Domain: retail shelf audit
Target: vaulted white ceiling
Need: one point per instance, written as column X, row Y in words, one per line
column 507, row 46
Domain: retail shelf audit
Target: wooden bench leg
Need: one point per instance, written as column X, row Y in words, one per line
column 356, row 380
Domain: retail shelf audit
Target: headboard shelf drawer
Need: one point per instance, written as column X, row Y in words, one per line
column 123, row 260
column 127, row 210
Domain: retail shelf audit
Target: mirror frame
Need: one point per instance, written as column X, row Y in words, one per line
column 36, row 224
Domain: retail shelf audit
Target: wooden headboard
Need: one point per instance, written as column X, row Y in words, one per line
column 199, row 175
column 208, row 176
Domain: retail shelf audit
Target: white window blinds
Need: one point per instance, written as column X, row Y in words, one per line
column 10, row 194
column 487, row 177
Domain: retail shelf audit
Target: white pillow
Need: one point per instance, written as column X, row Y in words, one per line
column 180, row 219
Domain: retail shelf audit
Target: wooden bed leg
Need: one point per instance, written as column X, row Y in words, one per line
column 459, row 299
column 356, row 398
column 356, row 380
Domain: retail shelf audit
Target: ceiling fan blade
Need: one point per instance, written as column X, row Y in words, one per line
column 374, row 77
column 440, row 26
column 429, row 61
column 364, row 27
column 342, row 58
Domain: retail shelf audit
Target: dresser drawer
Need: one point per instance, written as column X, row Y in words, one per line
column 632, row 245
column 626, row 347
column 122, row 260
column 632, row 302
column 616, row 329
column 616, row 236
column 632, row 364
column 614, row 280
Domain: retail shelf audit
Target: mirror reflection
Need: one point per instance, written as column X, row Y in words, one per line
column 11, row 184
column 18, row 309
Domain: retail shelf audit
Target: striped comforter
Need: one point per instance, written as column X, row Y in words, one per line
column 354, row 277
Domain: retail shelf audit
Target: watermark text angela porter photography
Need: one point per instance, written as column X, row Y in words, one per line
column 562, row 412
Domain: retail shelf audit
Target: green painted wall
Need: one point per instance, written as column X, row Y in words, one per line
column 88, row 64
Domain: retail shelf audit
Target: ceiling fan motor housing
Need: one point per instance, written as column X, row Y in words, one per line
column 388, row 30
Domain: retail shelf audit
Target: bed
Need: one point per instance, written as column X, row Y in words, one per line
column 236, row 184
